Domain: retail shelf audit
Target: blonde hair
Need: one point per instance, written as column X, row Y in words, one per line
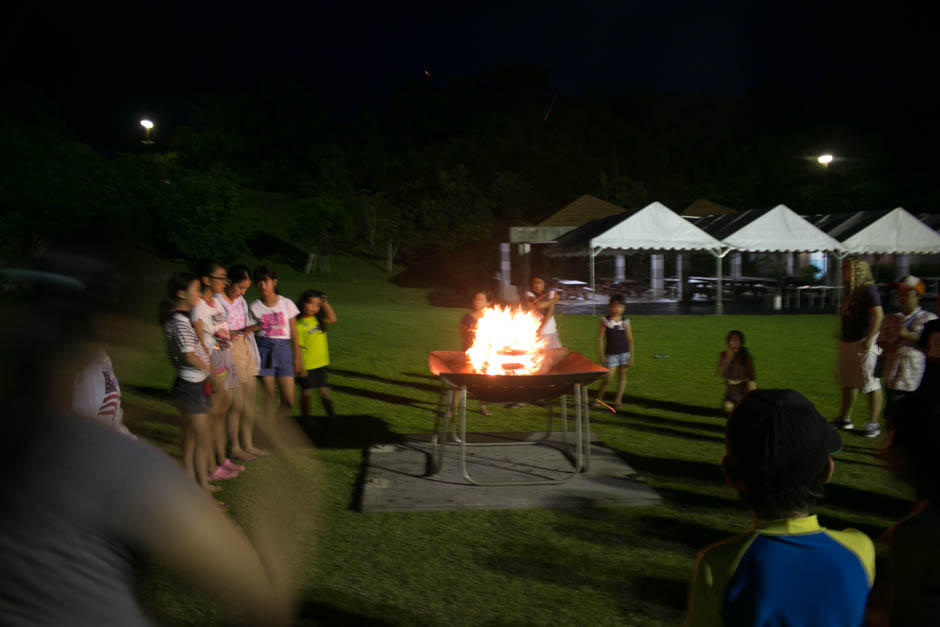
column 859, row 275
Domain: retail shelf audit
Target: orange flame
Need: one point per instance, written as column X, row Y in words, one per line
column 506, row 341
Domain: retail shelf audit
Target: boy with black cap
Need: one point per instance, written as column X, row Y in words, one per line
column 787, row 570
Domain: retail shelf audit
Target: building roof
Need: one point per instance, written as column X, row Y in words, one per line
column 581, row 211
column 704, row 207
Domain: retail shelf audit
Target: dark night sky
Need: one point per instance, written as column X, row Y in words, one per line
column 104, row 66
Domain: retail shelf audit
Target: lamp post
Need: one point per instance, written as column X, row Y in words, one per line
column 824, row 160
column 147, row 124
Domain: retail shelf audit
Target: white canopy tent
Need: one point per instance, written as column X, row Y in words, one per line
column 773, row 230
column 896, row 232
column 780, row 230
column 653, row 228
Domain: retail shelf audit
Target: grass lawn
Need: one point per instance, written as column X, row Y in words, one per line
column 588, row 566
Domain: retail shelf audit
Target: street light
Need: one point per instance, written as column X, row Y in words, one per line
column 825, row 160
column 147, row 124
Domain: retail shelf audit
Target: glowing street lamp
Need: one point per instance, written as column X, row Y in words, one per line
column 147, row 124
column 824, row 160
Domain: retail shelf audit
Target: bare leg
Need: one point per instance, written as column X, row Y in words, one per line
column 270, row 399
column 286, row 386
column 875, row 405
column 621, row 385
column 604, row 382
column 248, row 422
column 189, row 446
column 327, row 400
column 203, row 437
column 305, row 404
column 234, row 420
column 848, row 402
column 221, row 402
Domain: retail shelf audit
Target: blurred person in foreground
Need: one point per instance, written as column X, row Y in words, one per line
column 787, row 570
column 909, row 592
column 900, row 334
column 858, row 352
column 85, row 507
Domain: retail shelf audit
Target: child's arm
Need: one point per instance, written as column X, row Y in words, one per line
column 723, row 362
column 330, row 314
column 198, row 325
column 629, row 331
column 600, row 345
column 195, row 362
column 295, row 343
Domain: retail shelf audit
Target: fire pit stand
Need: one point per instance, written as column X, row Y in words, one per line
column 566, row 372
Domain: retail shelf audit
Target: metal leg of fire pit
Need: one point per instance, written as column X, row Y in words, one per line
column 581, row 419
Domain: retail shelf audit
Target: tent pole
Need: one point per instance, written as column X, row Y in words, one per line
column 719, row 305
column 593, row 253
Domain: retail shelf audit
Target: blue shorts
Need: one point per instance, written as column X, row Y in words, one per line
column 277, row 358
column 613, row 361
column 191, row 397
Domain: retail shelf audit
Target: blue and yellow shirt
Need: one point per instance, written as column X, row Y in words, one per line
column 784, row 572
column 313, row 345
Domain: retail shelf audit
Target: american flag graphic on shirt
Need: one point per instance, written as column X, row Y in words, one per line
column 112, row 397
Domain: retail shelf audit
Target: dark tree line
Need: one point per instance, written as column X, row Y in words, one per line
column 440, row 167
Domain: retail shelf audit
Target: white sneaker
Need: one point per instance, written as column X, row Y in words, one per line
column 871, row 430
column 838, row 423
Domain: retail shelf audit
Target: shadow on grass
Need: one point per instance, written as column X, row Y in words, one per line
column 692, row 535
column 675, row 468
column 682, row 408
column 421, row 375
column 890, row 507
column 351, row 432
column 637, row 426
column 385, row 397
column 690, row 498
column 425, row 387
column 671, row 593
column 316, row 613
column 691, row 424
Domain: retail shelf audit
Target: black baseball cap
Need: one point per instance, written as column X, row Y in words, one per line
column 778, row 435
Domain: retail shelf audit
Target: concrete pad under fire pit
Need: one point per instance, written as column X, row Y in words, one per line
column 397, row 477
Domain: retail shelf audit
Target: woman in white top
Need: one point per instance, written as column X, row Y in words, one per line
column 211, row 322
column 242, row 326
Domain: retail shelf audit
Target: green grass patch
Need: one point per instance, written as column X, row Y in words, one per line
column 590, row 565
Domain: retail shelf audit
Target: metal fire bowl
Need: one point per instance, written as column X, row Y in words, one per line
column 561, row 369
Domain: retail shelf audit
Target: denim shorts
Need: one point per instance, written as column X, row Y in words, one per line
column 277, row 358
column 620, row 359
column 190, row 396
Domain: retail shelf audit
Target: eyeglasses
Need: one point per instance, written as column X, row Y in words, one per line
column 218, row 278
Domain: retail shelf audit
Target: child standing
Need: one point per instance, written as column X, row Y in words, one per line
column 210, row 320
column 736, row 366
column 316, row 315
column 191, row 362
column 242, row 326
column 615, row 348
column 787, row 569
column 278, row 347
column 544, row 303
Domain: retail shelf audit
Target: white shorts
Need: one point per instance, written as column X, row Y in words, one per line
column 857, row 366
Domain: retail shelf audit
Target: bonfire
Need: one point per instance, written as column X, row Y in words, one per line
column 507, row 342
